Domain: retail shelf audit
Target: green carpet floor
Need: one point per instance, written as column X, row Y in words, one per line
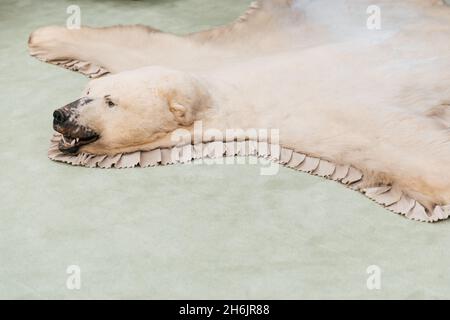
column 188, row 231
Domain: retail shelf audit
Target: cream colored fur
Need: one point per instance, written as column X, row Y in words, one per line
column 375, row 99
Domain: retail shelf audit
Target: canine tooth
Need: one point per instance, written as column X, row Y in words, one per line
column 77, row 139
column 72, row 143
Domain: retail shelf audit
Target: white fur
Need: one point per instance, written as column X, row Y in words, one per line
column 376, row 99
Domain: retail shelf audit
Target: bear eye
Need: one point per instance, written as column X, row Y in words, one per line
column 109, row 102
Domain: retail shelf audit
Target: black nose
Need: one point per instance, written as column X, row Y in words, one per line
column 59, row 116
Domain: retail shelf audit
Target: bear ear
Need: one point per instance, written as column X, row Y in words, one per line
column 182, row 113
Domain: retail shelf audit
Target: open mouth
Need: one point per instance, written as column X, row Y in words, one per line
column 73, row 135
column 69, row 144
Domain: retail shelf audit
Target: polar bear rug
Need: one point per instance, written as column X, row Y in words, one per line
column 355, row 91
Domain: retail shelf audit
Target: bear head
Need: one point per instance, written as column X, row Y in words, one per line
column 130, row 111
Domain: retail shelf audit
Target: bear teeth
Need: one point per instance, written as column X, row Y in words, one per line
column 70, row 141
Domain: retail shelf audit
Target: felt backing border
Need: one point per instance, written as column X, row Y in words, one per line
column 390, row 197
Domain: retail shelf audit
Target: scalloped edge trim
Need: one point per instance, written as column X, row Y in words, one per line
column 88, row 69
column 390, row 197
